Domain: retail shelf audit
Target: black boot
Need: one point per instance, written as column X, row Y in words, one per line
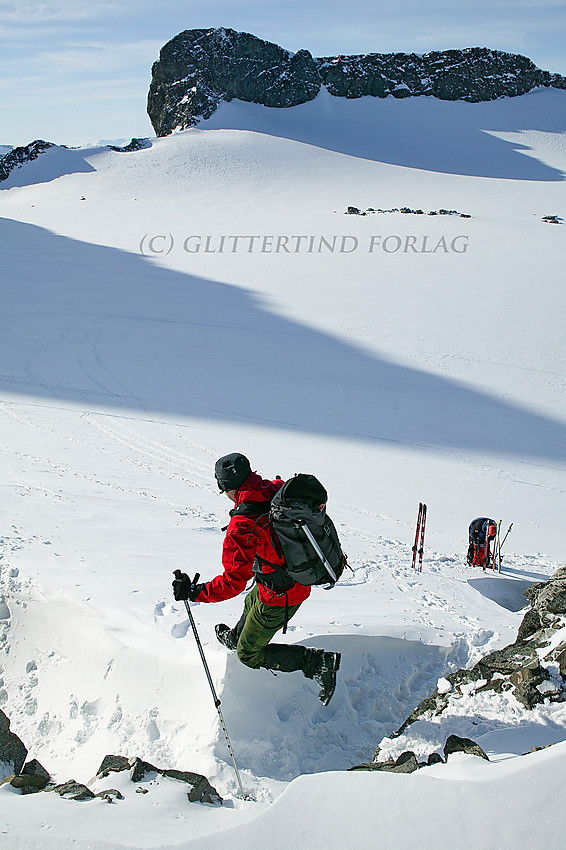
column 315, row 664
column 226, row 636
column 322, row 667
column 284, row 657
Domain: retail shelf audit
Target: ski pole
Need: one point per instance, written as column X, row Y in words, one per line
column 506, row 534
column 178, row 575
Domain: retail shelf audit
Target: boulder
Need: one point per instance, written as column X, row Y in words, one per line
column 530, row 624
column 405, row 763
column 110, row 795
column 29, row 784
column 34, row 768
column 72, row 790
column 112, row 764
column 139, row 768
column 12, row 750
column 201, row 791
column 455, row 744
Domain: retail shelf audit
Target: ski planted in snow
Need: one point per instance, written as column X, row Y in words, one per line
column 418, row 547
column 417, row 532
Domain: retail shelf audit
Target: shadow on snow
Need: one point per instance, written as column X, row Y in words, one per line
column 102, row 327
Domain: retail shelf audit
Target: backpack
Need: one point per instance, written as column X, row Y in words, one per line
column 480, row 534
column 302, row 534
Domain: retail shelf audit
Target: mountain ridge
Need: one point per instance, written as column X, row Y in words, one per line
column 199, row 68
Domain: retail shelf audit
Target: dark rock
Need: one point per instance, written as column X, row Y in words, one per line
column 199, row 68
column 561, row 659
column 12, row 750
column 18, row 156
column 526, row 681
column 372, row 765
column 29, row 784
column 455, row 744
column 354, row 211
column 530, row 624
column 34, row 768
column 552, row 219
column 474, row 74
column 112, row 764
column 435, row 758
column 496, row 685
column 110, row 795
column 139, row 768
column 532, row 673
column 134, row 145
column 406, row 763
column 201, row 792
column 508, row 659
column 549, row 597
column 72, row 790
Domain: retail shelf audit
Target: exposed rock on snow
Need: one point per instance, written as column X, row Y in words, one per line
column 72, row 790
column 530, row 668
column 199, row 68
column 12, row 750
column 405, row 763
column 455, row 744
column 404, row 211
column 134, row 145
column 201, row 791
column 18, row 156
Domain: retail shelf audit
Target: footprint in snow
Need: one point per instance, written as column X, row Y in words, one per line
column 179, row 630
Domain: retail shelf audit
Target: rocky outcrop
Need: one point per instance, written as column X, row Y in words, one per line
column 200, row 68
column 12, row 750
column 18, row 156
column 134, row 145
column 407, row 762
column 533, row 668
column 201, row 791
column 32, row 777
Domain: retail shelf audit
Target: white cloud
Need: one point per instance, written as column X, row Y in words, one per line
column 26, row 12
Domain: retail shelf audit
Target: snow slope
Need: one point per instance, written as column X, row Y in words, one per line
column 394, row 375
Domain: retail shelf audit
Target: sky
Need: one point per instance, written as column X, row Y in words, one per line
column 78, row 71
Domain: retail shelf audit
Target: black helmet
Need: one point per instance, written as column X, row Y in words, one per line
column 231, row 471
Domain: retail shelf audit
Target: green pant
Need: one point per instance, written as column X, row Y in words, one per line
column 258, row 624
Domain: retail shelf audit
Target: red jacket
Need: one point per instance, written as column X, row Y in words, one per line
column 247, row 536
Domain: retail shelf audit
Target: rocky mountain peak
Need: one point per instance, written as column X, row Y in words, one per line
column 200, row 68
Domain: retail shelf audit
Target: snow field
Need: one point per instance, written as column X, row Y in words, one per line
column 123, row 379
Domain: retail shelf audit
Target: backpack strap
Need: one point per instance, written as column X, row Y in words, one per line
column 251, row 509
column 255, row 509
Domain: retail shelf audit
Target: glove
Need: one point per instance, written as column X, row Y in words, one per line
column 186, row 588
